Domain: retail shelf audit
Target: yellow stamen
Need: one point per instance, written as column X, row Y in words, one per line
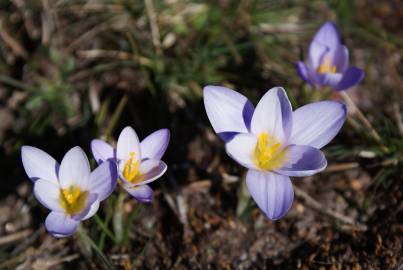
column 131, row 170
column 268, row 154
column 327, row 66
column 73, row 199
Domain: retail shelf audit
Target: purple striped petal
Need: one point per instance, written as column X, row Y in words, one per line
column 273, row 193
column 74, row 169
column 351, row 77
column 102, row 151
column 303, row 71
column 273, row 114
column 92, row 210
column 60, row 225
column 128, row 142
column 38, row 164
column 340, row 58
column 155, row 144
column 227, row 110
column 142, row 193
column 316, row 54
column 241, row 148
column 47, row 193
column 91, row 199
column 302, row 160
column 103, row 180
column 328, row 35
column 318, row 123
column 330, row 79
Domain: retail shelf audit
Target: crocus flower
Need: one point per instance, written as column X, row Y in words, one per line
column 70, row 190
column 327, row 63
column 138, row 163
column 272, row 141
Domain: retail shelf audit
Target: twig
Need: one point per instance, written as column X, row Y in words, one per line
column 12, row 42
column 341, row 167
column 11, row 238
column 312, row 203
column 350, row 103
column 154, row 26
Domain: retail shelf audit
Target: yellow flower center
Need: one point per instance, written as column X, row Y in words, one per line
column 327, row 66
column 73, row 199
column 268, row 154
column 131, row 170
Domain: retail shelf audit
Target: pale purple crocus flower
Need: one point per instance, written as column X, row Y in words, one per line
column 327, row 63
column 138, row 163
column 272, row 141
column 70, row 190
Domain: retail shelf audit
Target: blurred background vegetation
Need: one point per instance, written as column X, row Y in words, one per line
column 73, row 70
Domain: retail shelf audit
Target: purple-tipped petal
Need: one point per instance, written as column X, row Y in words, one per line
column 48, row 194
column 128, row 142
column 102, row 151
column 273, row 114
column 227, row 110
column 318, row 123
column 302, row 160
column 328, row 35
column 351, row 77
column 60, row 225
column 273, row 193
column 103, row 180
column 74, row 169
column 155, row 144
column 241, row 148
column 38, row 164
column 142, row 193
column 303, row 71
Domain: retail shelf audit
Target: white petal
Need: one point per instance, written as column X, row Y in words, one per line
column 241, row 148
column 227, row 110
column 38, row 164
column 316, row 124
column 273, row 114
column 74, row 169
column 48, row 194
column 128, row 142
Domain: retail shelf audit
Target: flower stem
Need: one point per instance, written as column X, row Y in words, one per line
column 88, row 242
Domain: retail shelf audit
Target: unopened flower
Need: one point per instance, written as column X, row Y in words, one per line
column 272, row 141
column 327, row 63
column 138, row 163
column 70, row 190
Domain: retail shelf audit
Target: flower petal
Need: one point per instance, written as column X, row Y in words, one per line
column 92, row 210
column 302, row 160
column 328, row 35
column 340, row 58
column 102, row 151
column 89, row 207
column 103, row 180
column 128, row 142
column 60, row 225
column 155, row 144
column 318, row 123
column 47, row 193
column 352, row 76
column 302, row 70
column 316, row 54
column 141, row 193
column 38, row 164
column 330, row 79
column 241, row 148
column 227, row 110
column 74, row 169
column 152, row 169
column 273, row 193
column 273, row 114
